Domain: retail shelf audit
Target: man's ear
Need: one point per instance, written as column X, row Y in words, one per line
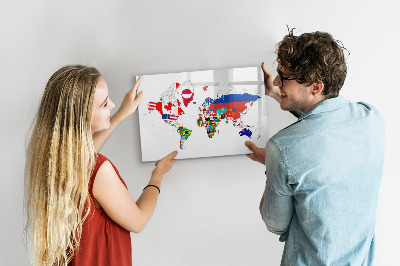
column 317, row 88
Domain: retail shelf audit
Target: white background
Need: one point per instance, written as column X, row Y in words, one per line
column 208, row 208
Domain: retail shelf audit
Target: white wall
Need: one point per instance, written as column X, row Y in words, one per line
column 208, row 208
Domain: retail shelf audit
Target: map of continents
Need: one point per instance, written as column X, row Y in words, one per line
column 174, row 103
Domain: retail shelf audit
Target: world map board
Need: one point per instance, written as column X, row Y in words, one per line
column 217, row 110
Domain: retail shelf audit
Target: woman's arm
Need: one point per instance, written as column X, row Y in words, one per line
column 116, row 201
column 128, row 107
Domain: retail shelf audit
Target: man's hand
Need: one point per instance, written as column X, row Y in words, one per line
column 258, row 155
column 270, row 89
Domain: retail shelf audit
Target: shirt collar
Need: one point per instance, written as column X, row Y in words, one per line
column 325, row 106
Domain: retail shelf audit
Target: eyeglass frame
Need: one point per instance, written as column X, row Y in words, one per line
column 282, row 78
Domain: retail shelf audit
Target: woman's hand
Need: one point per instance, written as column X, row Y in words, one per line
column 131, row 101
column 128, row 107
column 164, row 165
column 270, row 89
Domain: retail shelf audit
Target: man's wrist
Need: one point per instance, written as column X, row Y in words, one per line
column 277, row 97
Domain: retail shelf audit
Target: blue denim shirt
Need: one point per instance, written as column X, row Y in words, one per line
column 323, row 176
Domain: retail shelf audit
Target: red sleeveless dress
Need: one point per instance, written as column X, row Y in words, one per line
column 103, row 241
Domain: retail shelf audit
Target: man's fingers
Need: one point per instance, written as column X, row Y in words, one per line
column 251, row 156
column 265, row 69
column 263, row 66
column 251, row 146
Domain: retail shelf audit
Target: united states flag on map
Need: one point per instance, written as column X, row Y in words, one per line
column 169, row 117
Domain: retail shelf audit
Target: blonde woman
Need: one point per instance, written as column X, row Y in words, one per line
column 78, row 207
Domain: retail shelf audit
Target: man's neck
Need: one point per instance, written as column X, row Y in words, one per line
column 316, row 100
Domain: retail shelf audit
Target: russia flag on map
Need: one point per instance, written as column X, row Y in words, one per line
column 232, row 104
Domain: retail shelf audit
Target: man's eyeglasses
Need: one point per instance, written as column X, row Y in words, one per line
column 282, row 78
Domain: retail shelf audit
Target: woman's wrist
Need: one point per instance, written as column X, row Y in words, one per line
column 119, row 116
column 157, row 187
column 156, row 178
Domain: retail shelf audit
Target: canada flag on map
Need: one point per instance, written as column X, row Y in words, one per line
column 168, row 111
column 170, row 104
column 155, row 106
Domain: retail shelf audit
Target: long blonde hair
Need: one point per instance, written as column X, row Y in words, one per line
column 59, row 161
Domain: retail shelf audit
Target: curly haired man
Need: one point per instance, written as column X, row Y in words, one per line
column 323, row 171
